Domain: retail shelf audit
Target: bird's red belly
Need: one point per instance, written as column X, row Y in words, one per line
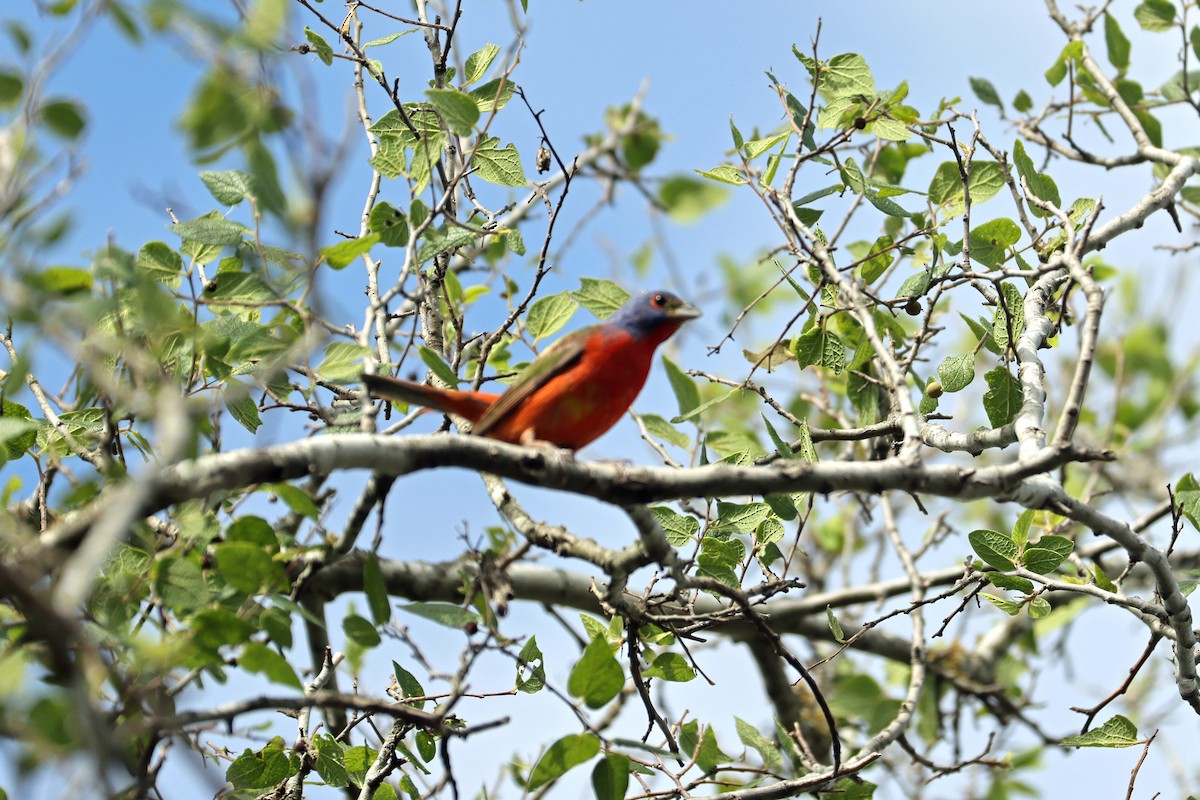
column 576, row 407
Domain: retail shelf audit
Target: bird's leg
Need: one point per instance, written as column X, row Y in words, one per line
column 529, row 439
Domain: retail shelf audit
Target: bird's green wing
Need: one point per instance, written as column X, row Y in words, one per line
column 556, row 358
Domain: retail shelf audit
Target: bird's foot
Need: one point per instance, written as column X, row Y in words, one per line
column 529, row 439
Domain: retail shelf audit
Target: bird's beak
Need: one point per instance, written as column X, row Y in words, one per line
column 683, row 312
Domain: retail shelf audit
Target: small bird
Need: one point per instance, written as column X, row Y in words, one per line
column 574, row 391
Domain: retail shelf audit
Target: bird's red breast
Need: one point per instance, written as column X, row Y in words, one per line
column 575, row 391
column 579, row 404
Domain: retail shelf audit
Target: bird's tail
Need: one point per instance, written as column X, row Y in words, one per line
column 470, row 405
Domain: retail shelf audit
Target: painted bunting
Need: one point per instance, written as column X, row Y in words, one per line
column 574, row 391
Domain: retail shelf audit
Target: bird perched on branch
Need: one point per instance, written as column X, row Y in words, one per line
column 574, row 391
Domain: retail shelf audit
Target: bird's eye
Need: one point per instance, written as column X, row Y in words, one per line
column 659, row 300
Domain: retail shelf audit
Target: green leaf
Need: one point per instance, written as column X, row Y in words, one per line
column 1151, row 124
column 982, row 333
column 721, row 558
column 751, row 737
column 601, row 297
column 887, row 205
column 723, row 173
column 1102, row 579
column 181, row 584
column 547, row 315
column 63, row 281
column 1116, row 42
column 984, row 180
column 597, row 677
column 442, row 613
column 1058, row 70
column 390, row 160
column 229, row 187
column 458, row 109
column 845, row 75
column 531, row 668
column 946, row 185
column 426, row 746
column 756, row 147
column 1174, row 90
column 686, row 391
column 342, row 362
column 986, row 92
column 738, row 141
column 262, row 770
column 687, row 199
column 821, row 346
column 594, row 627
column 341, row 254
column 739, row 517
column 956, row 372
column 661, row 429
column 996, row 549
column 893, row 130
column 426, row 155
column 242, row 407
column 1022, row 102
column 567, row 752
column 295, row 498
column 1020, row 531
column 360, row 631
column 1155, row 15
column 259, row 658
column 1007, row 606
column 991, row 240
column 1187, row 498
column 610, row 778
column 162, row 263
column 783, row 447
column 443, row 239
column 1014, row 583
column 437, row 366
column 211, row 229
column 376, row 590
column 835, row 627
column 248, row 567
column 391, row 37
column 501, row 166
column 702, row 745
column 771, row 530
column 670, row 667
column 772, row 357
column 1047, row 553
column 409, row 685
column 1039, row 608
column 1040, row 185
column 331, row 760
column 64, row 118
column 493, row 95
column 707, row 404
column 1010, row 316
column 18, row 431
column 679, row 529
column 1116, row 732
column 1002, row 400
column 478, row 63
column 875, row 258
column 390, row 224
column 12, row 86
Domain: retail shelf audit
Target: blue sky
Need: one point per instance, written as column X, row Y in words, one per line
column 703, row 62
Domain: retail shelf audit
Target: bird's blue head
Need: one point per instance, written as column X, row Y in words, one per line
column 652, row 315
